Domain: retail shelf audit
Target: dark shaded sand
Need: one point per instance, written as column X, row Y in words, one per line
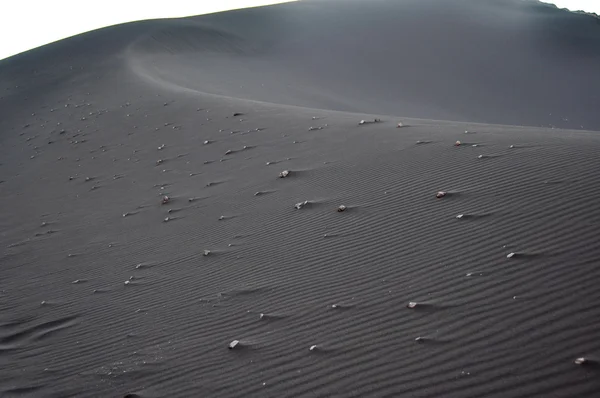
column 395, row 297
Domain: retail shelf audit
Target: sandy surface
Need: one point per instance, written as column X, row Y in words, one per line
column 106, row 291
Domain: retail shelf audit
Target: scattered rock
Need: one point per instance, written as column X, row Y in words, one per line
column 412, row 304
column 284, row 174
column 161, row 147
column 127, row 282
column 581, row 361
column 341, row 208
column 301, row 204
column 159, row 161
column 400, row 125
column 511, row 255
column 206, row 142
column 229, row 151
column 460, row 216
column 440, row 194
column 234, row 344
column 457, row 143
column 206, row 252
column 369, row 121
column 165, row 200
column 313, row 347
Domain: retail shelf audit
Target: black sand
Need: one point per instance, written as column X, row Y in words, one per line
column 106, row 291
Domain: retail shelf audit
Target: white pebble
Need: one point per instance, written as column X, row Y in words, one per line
column 301, row 204
column 234, row 344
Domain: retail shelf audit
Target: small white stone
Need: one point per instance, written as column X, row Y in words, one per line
column 460, row 216
column 313, row 347
column 581, row 361
column 480, row 156
column 510, row 255
column 411, row 304
column 301, row 204
column 127, row 282
column 511, row 147
column 234, row 344
column 206, row 252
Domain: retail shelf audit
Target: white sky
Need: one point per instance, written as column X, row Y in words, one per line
column 577, row 5
column 29, row 24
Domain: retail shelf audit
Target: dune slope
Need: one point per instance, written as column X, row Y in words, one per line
column 145, row 227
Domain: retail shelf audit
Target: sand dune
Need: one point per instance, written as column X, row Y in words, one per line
column 489, row 291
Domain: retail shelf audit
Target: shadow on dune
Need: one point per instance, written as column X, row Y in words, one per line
column 502, row 61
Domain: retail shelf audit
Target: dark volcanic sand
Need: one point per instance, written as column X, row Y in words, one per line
column 101, row 297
